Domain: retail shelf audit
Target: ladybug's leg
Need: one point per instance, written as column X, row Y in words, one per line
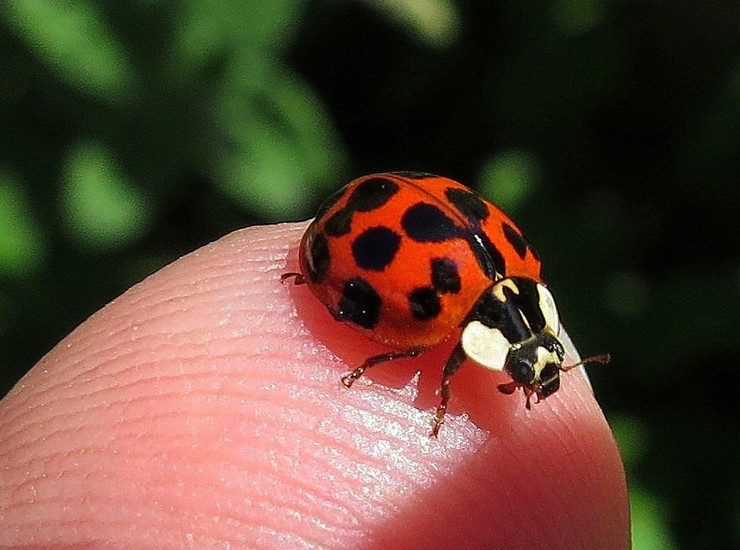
column 298, row 278
column 529, row 391
column 453, row 363
column 374, row 360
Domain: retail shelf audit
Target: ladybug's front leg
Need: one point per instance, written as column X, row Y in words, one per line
column 453, row 363
column 349, row 379
column 528, row 389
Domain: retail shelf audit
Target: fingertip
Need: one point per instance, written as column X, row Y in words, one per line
column 212, row 391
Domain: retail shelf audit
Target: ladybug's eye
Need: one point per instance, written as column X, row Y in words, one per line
column 536, row 363
column 549, row 380
column 520, row 369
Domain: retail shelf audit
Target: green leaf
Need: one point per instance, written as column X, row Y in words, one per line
column 282, row 144
column 101, row 207
column 435, row 22
column 72, row 37
column 650, row 522
column 210, row 27
column 22, row 247
column 509, row 178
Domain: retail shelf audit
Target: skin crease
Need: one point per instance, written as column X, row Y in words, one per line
column 202, row 408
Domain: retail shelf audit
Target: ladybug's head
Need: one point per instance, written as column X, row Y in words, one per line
column 514, row 328
column 534, row 366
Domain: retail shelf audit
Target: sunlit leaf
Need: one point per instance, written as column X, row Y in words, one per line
column 281, row 144
column 650, row 528
column 101, row 207
column 72, row 37
column 509, row 178
column 212, row 27
column 436, row 22
column 632, row 435
column 22, row 247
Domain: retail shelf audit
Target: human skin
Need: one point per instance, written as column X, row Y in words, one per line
column 203, row 408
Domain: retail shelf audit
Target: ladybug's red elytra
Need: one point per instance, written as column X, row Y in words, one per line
column 406, row 258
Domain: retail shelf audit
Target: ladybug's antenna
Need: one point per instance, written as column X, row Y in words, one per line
column 603, row 358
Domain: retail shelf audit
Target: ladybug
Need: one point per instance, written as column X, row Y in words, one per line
column 406, row 258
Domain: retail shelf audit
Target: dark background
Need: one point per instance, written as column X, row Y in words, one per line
column 135, row 131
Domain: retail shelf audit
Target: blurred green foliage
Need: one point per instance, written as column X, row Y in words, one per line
column 135, row 131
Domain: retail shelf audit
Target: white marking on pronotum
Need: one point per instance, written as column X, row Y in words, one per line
column 485, row 345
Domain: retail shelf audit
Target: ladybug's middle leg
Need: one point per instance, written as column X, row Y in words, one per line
column 349, row 379
column 453, row 363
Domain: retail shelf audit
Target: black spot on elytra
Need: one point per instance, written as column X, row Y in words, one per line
column 319, row 258
column 445, row 276
column 424, row 303
column 468, row 203
column 371, row 194
column 330, row 201
column 427, row 223
column 533, row 252
column 515, row 240
column 365, row 197
column 339, row 224
column 360, row 304
column 375, row 248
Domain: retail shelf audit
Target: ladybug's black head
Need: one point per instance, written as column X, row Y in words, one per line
column 514, row 328
column 534, row 366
